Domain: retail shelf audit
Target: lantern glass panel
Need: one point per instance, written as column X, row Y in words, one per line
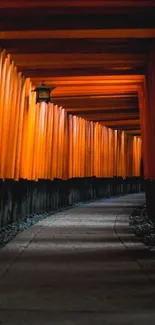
column 44, row 94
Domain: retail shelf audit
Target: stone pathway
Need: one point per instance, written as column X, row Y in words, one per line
column 82, row 266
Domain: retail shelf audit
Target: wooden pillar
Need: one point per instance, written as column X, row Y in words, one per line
column 147, row 118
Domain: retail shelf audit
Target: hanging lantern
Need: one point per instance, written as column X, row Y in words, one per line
column 43, row 93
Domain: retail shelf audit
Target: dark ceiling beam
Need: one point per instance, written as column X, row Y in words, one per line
column 82, row 60
column 94, row 108
column 124, row 123
column 134, row 132
column 37, row 46
column 46, row 19
column 107, row 114
column 112, row 66
column 103, row 110
column 118, row 98
column 94, row 102
column 50, row 12
column 132, row 94
column 64, row 72
column 126, row 128
column 98, row 117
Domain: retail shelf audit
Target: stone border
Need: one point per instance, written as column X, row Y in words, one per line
column 142, row 227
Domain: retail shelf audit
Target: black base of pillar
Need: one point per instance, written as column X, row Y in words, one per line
column 149, row 187
column 26, row 198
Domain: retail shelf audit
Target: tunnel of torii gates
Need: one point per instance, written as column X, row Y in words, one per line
column 44, row 141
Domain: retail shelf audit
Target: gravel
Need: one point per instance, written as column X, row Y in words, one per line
column 142, row 227
column 10, row 231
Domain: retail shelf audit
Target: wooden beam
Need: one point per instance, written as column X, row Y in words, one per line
column 48, row 18
column 110, row 117
column 76, row 60
column 90, row 91
column 75, row 3
column 95, row 81
column 44, row 73
column 127, row 96
column 134, row 132
column 78, row 34
column 79, row 57
column 101, row 102
column 61, row 80
column 122, row 123
column 73, row 45
column 104, row 109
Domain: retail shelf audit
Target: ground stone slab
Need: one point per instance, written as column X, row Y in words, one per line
column 81, row 266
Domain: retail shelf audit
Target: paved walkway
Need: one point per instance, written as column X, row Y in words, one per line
column 82, row 266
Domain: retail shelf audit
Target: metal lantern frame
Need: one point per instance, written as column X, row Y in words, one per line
column 43, row 93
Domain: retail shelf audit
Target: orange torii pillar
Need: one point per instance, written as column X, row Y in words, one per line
column 147, row 118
